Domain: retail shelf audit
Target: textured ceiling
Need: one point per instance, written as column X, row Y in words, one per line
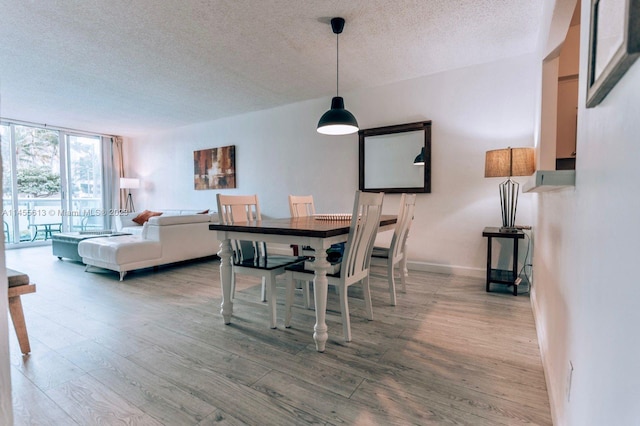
column 130, row 67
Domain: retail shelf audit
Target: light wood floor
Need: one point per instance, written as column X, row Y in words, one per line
column 153, row 350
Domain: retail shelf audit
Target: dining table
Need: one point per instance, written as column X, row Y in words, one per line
column 313, row 231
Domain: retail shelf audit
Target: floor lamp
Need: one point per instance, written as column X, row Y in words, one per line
column 506, row 163
column 129, row 184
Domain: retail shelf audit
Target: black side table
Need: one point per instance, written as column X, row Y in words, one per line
column 502, row 276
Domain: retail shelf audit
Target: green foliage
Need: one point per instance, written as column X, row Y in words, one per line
column 37, row 153
column 38, row 181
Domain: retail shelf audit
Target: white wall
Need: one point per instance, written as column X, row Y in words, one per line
column 586, row 289
column 278, row 152
column 6, row 411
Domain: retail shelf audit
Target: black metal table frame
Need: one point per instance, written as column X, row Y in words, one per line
column 502, row 276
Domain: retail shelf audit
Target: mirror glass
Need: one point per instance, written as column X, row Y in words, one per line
column 389, row 160
column 387, row 157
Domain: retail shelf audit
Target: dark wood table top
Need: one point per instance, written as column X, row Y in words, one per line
column 305, row 226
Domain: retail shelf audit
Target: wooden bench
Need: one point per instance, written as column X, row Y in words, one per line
column 18, row 285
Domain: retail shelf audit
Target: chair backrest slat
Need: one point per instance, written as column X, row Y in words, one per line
column 405, row 218
column 301, row 205
column 237, row 209
column 365, row 221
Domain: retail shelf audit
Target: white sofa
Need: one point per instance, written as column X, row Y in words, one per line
column 162, row 240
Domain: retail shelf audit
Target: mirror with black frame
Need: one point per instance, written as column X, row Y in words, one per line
column 390, row 158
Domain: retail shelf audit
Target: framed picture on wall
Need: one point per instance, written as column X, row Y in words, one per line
column 614, row 44
column 214, row 168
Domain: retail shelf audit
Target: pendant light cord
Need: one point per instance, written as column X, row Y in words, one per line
column 337, row 62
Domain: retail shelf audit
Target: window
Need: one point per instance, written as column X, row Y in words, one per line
column 52, row 182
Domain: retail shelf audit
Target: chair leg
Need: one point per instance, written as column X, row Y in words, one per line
column 17, row 316
column 306, row 294
column 344, row 308
column 366, row 291
column 233, row 285
column 392, row 282
column 300, row 285
column 263, row 293
column 405, row 272
column 270, row 285
column 291, row 288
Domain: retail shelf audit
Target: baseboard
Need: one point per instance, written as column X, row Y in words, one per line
column 437, row 268
column 542, row 340
column 447, row 269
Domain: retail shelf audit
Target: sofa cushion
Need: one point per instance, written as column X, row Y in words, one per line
column 168, row 212
column 120, row 250
column 144, row 216
column 133, row 230
column 176, row 220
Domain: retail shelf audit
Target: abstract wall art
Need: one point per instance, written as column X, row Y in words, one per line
column 215, row 168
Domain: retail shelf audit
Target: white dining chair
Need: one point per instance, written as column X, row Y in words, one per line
column 395, row 254
column 250, row 257
column 356, row 260
column 301, row 206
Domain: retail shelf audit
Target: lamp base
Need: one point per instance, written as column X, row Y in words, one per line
column 129, row 207
column 509, row 204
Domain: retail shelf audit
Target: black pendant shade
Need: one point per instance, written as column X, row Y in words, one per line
column 337, row 121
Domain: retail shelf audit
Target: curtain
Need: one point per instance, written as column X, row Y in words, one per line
column 118, row 167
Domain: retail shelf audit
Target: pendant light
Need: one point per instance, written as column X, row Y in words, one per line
column 337, row 121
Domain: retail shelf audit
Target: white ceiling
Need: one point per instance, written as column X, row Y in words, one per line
column 129, row 67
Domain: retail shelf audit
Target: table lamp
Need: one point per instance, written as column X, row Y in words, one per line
column 129, row 184
column 506, row 163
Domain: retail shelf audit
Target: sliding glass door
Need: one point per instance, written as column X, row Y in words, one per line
column 7, row 187
column 52, row 182
column 85, row 183
column 31, row 183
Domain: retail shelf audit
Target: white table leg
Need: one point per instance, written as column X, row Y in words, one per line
column 320, row 286
column 226, row 276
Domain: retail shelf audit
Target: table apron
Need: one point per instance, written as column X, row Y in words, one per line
column 282, row 239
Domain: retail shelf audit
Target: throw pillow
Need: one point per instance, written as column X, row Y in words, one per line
column 144, row 216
